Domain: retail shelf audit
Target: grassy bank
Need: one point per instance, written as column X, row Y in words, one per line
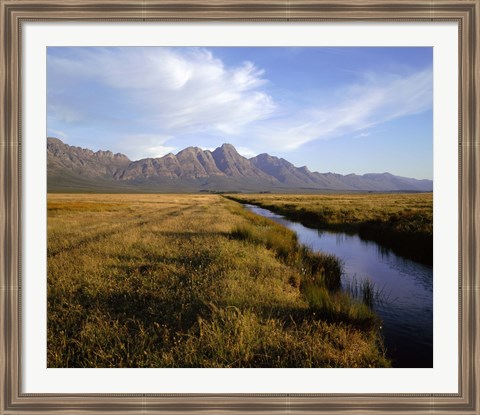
column 193, row 281
column 401, row 222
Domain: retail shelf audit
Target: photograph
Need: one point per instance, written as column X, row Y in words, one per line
column 239, row 207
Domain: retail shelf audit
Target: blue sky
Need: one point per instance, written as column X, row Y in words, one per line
column 344, row 110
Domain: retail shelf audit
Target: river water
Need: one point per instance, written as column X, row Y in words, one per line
column 406, row 305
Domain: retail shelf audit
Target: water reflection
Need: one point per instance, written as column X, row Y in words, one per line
column 407, row 309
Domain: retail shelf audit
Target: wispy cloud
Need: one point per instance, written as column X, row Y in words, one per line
column 57, row 133
column 173, row 91
column 377, row 100
column 246, row 152
column 138, row 146
column 362, row 135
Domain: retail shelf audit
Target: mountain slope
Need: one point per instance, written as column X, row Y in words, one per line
column 193, row 169
column 84, row 162
column 284, row 171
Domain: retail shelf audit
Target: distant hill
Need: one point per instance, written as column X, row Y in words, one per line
column 193, row 169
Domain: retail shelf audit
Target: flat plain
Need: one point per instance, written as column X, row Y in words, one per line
column 194, row 281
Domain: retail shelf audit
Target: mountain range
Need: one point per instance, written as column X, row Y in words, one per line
column 193, row 169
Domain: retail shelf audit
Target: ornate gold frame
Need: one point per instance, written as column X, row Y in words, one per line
column 14, row 12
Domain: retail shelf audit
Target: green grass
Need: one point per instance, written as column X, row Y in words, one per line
column 401, row 222
column 194, row 281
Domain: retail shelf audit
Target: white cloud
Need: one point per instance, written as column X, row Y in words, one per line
column 157, row 151
column 63, row 112
column 138, row 146
column 246, row 152
column 377, row 100
column 174, row 91
column 362, row 135
column 57, row 134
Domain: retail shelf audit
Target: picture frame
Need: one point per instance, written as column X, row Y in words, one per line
column 14, row 13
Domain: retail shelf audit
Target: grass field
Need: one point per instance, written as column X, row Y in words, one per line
column 193, row 281
column 402, row 222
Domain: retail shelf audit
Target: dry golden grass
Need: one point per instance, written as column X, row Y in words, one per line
column 168, row 281
column 403, row 222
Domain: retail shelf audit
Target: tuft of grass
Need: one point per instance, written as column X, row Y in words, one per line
column 366, row 291
column 318, row 267
column 340, row 307
column 314, row 266
column 263, row 231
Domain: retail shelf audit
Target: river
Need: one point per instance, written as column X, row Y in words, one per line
column 406, row 286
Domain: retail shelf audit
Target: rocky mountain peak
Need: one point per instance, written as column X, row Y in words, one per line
column 233, row 164
column 194, row 168
column 54, row 141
